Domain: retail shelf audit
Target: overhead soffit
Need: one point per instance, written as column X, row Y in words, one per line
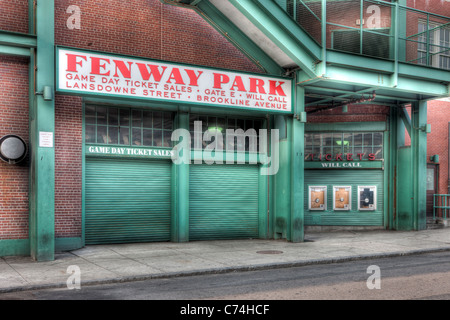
column 251, row 31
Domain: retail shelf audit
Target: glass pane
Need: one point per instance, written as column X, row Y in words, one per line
column 357, row 140
column 204, row 123
column 102, row 135
column 147, row 119
column 90, row 134
column 136, row 134
column 337, row 143
column 113, row 119
column 101, row 116
column 89, row 115
column 113, row 133
column 377, row 139
column 167, row 138
column 308, row 153
column 231, row 123
column 125, row 135
column 192, row 119
column 157, row 120
column 157, row 138
column 168, row 121
column 327, row 139
column 147, row 135
column 378, row 151
column 367, row 151
column 125, row 117
column 308, row 139
column 137, row 118
column 368, row 140
column 316, row 139
column 240, row 124
column 347, row 142
column 248, row 124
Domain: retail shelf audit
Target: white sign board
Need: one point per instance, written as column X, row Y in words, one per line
column 83, row 72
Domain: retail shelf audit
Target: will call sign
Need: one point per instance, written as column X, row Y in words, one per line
column 98, row 73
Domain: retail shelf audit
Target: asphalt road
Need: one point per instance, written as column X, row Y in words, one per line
column 425, row 276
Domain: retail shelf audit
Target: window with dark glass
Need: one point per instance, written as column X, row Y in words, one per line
column 245, row 137
column 360, row 145
column 130, row 127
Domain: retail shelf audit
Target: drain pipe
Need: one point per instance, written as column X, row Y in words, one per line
column 354, row 101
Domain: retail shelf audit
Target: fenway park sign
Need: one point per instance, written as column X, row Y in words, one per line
column 85, row 72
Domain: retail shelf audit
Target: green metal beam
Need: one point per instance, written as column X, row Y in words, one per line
column 16, row 39
column 276, row 31
column 14, row 51
column 374, row 79
column 221, row 23
column 406, row 119
column 42, row 122
column 297, row 220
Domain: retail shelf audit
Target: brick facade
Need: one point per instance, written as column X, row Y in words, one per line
column 14, row 120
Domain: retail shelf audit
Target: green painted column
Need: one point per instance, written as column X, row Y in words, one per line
column 419, row 157
column 297, row 170
column 180, row 191
column 282, row 180
column 42, row 131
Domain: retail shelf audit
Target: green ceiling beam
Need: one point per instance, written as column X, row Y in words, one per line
column 14, row 51
column 276, row 31
column 370, row 78
column 16, row 39
column 221, row 23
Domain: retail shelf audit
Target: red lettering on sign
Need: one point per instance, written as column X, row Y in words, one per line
column 220, row 79
column 328, row 157
column 275, row 89
column 72, row 62
column 371, row 156
column 154, row 71
column 193, row 78
column 349, row 157
column 126, row 72
column 95, row 66
column 175, row 75
column 256, row 83
column 239, row 84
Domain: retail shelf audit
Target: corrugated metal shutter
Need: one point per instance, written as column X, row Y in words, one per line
column 353, row 178
column 223, row 202
column 127, row 201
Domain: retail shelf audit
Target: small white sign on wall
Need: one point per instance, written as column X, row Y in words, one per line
column 46, row 139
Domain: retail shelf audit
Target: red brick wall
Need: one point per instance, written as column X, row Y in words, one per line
column 355, row 113
column 14, row 120
column 439, row 117
column 14, row 15
column 68, row 168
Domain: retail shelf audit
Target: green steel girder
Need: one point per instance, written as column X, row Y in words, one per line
column 213, row 16
column 232, row 33
column 263, row 18
column 16, row 44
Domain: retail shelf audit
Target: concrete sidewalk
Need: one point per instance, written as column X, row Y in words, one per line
column 129, row 262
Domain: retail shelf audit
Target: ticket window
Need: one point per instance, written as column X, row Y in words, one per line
column 342, row 198
column 318, row 198
column 367, row 198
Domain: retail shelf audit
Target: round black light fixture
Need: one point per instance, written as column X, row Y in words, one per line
column 13, row 149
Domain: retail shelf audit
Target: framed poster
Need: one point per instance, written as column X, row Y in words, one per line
column 342, row 198
column 317, row 198
column 367, row 198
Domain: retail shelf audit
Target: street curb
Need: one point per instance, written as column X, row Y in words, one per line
column 279, row 265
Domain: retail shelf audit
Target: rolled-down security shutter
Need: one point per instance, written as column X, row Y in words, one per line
column 223, row 202
column 127, row 201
